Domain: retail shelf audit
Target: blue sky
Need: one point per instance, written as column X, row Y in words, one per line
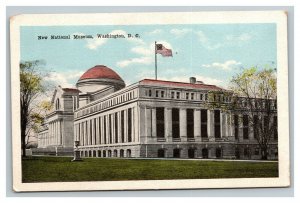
column 212, row 53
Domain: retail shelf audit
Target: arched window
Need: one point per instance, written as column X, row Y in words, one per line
column 121, row 153
column 191, row 153
column 205, row 153
column 94, row 153
column 176, row 153
column 104, row 153
column 218, row 152
column 161, row 153
column 115, row 153
column 128, row 152
column 109, row 153
column 99, row 153
column 237, row 153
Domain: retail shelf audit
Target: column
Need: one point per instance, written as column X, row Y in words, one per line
column 85, row 133
column 223, row 121
column 56, row 132
column 241, row 127
column 119, row 127
column 93, row 131
column 133, row 123
column 136, row 124
column 125, row 126
column 210, row 124
column 59, row 132
column 182, row 123
column 97, row 133
column 113, row 129
column 197, row 124
column 102, row 130
column 153, row 111
column 107, row 129
column 148, row 122
column 168, row 124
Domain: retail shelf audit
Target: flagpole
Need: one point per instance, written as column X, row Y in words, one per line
column 155, row 61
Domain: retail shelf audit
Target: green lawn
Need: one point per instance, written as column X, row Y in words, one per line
column 61, row 169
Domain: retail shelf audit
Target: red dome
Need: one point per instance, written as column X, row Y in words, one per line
column 100, row 71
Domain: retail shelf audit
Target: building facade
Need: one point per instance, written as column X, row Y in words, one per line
column 155, row 118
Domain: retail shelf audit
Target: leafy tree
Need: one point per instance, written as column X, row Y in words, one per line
column 31, row 86
column 255, row 93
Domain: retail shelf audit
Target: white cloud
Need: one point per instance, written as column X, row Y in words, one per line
column 227, row 65
column 179, row 32
column 142, row 60
column 155, row 32
column 142, row 50
column 93, row 44
column 63, row 78
column 239, row 38
column 146, row 52
column 206, row 42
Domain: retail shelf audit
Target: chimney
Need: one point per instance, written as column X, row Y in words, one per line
column 192, row 80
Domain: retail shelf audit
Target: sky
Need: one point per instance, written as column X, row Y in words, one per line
column 212, row 53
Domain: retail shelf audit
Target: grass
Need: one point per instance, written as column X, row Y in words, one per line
column 61, row 169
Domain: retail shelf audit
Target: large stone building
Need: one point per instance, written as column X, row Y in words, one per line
column 150, row 118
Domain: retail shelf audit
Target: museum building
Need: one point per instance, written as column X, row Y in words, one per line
column 148, row 119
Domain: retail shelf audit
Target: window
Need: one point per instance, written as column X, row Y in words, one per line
column 116, row 128
column 175, row 123
column 192, row 96
column 205, row 153
column 245, row 127
column 236, row 127
column 187, row 95
column 129, row 124
column 191, row 153
column 160, row 122
column 256, row 151
column 110, row 128
column 122, row 153
column 217, row 116
column 150, row 93
column 275, row 128
column 178, row 95
column 161, row 153
column 57, row 105
column 128, row 152
column 190, row 123
column 204, row 123
column 157, row 93
column 218, row 152
column 206, row 97
column 172, row 95
column 255, row 126
column 176, row 153
column 201, row 97
column 162, row 93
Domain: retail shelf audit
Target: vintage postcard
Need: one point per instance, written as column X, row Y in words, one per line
column 133, row 101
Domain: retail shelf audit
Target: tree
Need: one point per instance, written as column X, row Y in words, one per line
column 255, row 95
column 31, row 86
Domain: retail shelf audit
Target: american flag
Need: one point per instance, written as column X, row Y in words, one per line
column 160, row 49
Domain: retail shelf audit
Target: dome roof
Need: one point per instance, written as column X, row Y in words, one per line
column 100, row 72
